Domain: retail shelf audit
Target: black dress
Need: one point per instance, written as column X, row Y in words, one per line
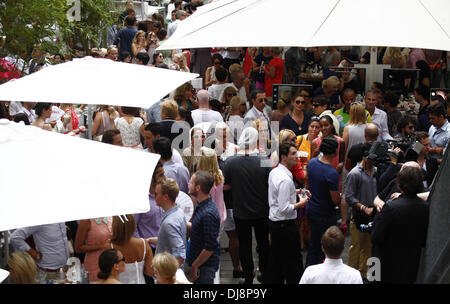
column 289, row 123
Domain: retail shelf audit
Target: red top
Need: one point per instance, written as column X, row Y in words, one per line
column 278, row 63
column 248, row 63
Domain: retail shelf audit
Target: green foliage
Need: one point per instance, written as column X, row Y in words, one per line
column 27, row 23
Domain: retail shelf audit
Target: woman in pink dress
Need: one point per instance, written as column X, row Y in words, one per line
column 208, row 162
column 91, row 237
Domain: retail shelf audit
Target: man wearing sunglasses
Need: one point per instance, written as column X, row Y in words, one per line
column 259, row 110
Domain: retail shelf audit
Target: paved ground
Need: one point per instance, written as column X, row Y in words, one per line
column 226, row 267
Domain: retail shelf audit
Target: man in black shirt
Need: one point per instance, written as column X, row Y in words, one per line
column 247, row 175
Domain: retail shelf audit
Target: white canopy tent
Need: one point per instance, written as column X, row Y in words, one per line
column 305, row 23
column 95, row 81
column 48, row 177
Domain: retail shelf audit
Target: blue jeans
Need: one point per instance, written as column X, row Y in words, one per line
column 207, row 275
column 318, row 226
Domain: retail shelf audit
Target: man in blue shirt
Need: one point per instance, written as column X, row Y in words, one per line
column 172, row 232
column 204, row 249
column 324, row 187
column 125, row 36
column 439, row 131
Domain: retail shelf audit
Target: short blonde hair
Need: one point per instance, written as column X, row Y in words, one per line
column 236, row 101
column 122, row 232
column 170, row 187
column 166, row 265
column 235, row 67
column 170, row 109
column 331, row 81
column 24, row 268
column 140, row 32
column 357, row 114
column 284, row 135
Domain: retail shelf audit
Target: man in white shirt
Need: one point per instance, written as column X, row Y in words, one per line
column 237, row 82
column 333, row 270
column 285, row 253
column 379, row 117
column 23, row 107
column 172, row 27
column 204, row 113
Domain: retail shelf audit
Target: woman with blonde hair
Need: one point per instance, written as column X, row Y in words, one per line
column 104, row 121
column 22, row 268
column 165, row 266
column 394, row 56
column 354, row 131
column 139, row 43
column 208, row 162
column 138, row 254
column 282, row 107
column 330, row 88
column 179, row 63
column 191, row 155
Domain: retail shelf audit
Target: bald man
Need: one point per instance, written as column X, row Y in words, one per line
column 354, row 155
column 204, row 113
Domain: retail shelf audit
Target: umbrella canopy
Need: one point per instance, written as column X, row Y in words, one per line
column 96, row 81
column 47, row 177
column 304, row 23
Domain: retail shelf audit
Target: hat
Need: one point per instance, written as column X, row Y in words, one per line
column 248, row 137
column 352, row 58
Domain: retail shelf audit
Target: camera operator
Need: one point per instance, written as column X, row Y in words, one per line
column 399, row 230
column 428, row 164
column 360, row 190
column 405, row 126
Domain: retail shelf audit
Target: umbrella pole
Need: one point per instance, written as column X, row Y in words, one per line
column 373, row 64
column 89, row 117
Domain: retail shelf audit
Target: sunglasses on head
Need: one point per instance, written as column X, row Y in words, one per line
column 316, row 105
column 304, row 96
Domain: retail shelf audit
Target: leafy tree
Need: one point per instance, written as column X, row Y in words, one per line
column 29, row 23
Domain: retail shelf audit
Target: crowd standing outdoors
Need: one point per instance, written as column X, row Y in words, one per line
column 298, row 171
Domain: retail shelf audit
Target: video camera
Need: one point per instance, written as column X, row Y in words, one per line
column 410, row 149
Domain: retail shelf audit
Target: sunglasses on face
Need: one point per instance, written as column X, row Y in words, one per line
column 229, row 95
column 411, row 127
column 262, row 99
column 121, row 260
column 216, row 63
column 300, row 102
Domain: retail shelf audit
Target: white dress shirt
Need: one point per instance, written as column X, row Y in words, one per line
column 205, row 115
column 379, row 118
column 332, row 271
column 281, row 194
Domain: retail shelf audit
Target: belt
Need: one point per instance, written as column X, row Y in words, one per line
column 49, row 270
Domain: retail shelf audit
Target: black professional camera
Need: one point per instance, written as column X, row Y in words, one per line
column 380, row 151
column 366, row 227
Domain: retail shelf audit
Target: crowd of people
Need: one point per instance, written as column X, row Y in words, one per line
column 322, row 164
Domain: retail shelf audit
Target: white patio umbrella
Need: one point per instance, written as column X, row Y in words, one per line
column 96, row 81
column 304, row 23
column 47, row 177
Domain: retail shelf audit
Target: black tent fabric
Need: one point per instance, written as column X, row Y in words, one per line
column 435, row 262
